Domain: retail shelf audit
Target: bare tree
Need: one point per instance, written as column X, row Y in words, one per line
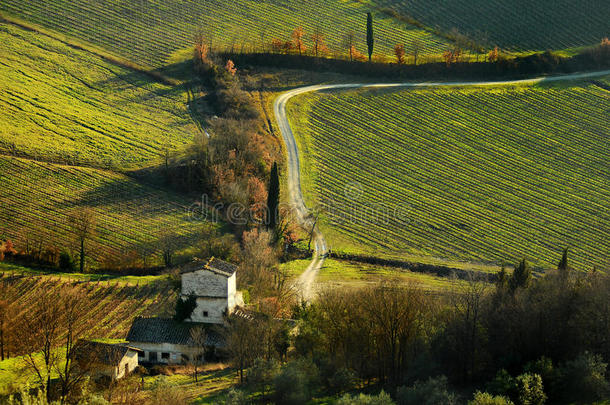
column 297, row 40
column 75, row 325
column 82, row 223
column 349, row 44
column 319, row 45
column 244, row 342
column 39, row 332
column 198, row 337
column 168, row 245
column 7, row 318
column 416, row 48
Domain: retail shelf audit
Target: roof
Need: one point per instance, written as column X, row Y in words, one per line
column 214, row 265
column 104, row 353
column 167, row 330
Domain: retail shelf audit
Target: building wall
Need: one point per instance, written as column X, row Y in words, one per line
column 210, row 310
column 216, row 295
column 205, row 283
column 174, row 352
column 128, row 363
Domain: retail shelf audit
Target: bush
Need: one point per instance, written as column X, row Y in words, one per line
column 502, row 384
column 584, row 378
column 485, row 398
column 530, row 390
column 432, row 392
column 362, row 399
column 66, row 263
column 237, row 397
column 342, row 380
column 296, row 382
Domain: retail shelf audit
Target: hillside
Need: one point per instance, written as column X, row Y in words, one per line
column 517, row 25
column 67, row 105
column 153, row 32
column 36, row 199
column 481, row 174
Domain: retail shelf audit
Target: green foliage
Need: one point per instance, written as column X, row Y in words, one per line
column 563, row 263
column 502, row 384
column 262, row 373
column 381, row 399
column 66, row 263
column 530, row 390
column 237, row 397
column 342, row 380
column 584, row 379
column 463, row 205
column 273, row 197
column 434, row 391
column 521, row 276
column 296, row 382
column 185, row 307
column 485, row 398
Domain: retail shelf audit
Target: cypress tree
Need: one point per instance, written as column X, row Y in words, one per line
column 521, row 276
column 273, row 198
column 563, row 264
column 370, row 40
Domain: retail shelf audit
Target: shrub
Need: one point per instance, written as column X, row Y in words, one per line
column 66, row 262
column 342, row 380
column 502, row 384
column 295, row 383
column 432, row 392
column 485, row 398
column 237, row 397
column 362, row 399
column 530, row 389
column 584, row 378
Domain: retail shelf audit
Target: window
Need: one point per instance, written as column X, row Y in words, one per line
column 205, row 314
column 165, row 356
column 152, row 357
column 141, row 354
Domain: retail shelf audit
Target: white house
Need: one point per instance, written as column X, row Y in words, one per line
column 166, row 341
column 214, row 286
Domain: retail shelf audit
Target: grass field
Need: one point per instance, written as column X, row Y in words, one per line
column 340, row 273
column 473, row 174
column 154, row 32
column 37, row 197
column 66, row 105
column 515, row 25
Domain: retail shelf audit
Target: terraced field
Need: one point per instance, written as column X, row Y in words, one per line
column 36, row 199
column 151, row 32
column 517, row 25
column 473, row 174
column 66, row 105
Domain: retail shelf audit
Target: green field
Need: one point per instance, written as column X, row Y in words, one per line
column 66, row 105
column 36, row 199
column 154, row 32
column 473, row 174
column 516, row 25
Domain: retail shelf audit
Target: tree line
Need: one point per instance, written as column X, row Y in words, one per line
column 519, row 340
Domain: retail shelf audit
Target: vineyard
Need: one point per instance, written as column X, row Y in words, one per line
column 153, row 32
column 36, row 199
column 66, row 105
column 472, row 174
column 516, row 25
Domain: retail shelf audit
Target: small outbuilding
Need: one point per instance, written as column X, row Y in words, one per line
column 105, row 360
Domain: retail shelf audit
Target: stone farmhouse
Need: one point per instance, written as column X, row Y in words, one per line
column 106, row 360
column 166, row 341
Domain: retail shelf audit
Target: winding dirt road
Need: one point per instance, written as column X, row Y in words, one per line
column 307, row 279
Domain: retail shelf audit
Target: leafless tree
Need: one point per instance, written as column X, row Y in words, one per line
column 198, row 337
column 416, row 48
column 82, row 223
column 349, row 43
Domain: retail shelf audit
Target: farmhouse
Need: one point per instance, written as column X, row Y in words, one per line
column 103, row 359
column 166, row 341
column 214, row 286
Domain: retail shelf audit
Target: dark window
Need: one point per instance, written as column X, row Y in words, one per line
column 141, row 354
column 165, row 356
column 205, row 313
column 152, row 356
